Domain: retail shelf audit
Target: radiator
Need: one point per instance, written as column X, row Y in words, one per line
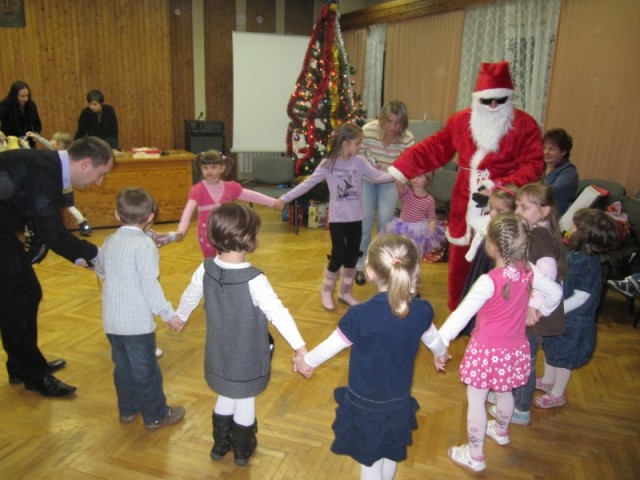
column 245, row 161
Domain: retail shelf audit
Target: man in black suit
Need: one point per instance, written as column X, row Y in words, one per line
column 31, row 184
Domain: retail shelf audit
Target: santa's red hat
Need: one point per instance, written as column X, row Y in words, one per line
column 494, row 81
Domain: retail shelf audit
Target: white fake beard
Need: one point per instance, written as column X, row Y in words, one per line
column 488, row 125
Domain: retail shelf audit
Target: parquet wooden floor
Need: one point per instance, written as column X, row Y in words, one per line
column 596, row 435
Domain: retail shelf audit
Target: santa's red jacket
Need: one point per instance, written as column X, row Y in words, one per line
column 519, row 160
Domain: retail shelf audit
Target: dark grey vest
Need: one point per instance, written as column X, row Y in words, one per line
column 237, row 359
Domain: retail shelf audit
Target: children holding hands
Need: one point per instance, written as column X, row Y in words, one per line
column 343, row 170
column 239, row 302
column 128, row 266
column 376, row 412
column 497, row 357
column 207, row 195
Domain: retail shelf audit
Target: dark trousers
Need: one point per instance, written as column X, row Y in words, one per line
column 20, row 296
column 137, row 376
column 345, row 245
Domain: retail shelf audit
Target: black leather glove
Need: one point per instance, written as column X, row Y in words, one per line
column 480, row 199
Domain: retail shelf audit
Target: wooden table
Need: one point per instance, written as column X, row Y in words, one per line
column 168, row 179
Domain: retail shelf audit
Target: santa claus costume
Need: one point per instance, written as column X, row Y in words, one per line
column 496, row 144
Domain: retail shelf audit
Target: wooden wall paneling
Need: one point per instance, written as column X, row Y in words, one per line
column 181, row 23
column 220, row 21
column 261, row 16
column 298, row 17
column 422, row 64
column 595, row 88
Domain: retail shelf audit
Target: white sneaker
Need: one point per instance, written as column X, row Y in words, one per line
column 518, row 417
column 462, row 456
column 491, row 432
column 159, row 353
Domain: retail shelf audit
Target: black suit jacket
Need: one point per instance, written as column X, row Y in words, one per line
column 35, row 177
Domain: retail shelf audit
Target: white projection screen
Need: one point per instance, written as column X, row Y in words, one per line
column 265, row 70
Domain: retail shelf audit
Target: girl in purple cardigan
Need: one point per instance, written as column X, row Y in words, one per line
column 343, row 170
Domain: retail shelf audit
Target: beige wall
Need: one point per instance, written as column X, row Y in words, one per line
column 595, row 88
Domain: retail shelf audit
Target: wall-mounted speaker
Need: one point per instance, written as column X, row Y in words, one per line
column 200, row 136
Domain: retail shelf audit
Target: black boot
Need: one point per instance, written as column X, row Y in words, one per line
column 244, row 442
column 221, row 435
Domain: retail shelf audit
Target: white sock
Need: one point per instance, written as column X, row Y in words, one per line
column 563, row 376
column 549, row 376
column 242, row 409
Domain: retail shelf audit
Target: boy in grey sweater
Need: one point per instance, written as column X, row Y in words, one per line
column 128, row 266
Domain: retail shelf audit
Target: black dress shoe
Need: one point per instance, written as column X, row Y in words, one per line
column 50, row 386
column 360, row 278
column 54, row 366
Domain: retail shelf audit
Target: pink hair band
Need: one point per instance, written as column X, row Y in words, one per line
column 510, row 192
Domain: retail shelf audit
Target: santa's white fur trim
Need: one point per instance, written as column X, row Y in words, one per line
column 397, row 174
column 460, row 241
column 493, row 93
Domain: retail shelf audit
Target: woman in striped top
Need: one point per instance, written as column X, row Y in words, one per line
column 384, row 140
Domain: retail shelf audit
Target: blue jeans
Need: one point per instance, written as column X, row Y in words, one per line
column 382, row 197
column 523, row 396
column 137, row 376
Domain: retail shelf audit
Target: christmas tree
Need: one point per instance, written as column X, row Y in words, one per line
column 324, row 98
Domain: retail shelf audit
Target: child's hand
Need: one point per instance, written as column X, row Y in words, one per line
column 299, row 366
column 533, row 316
column 176, row 324
column 82, row 262
column 278, row 205
column 161, row 239
column 441, row 360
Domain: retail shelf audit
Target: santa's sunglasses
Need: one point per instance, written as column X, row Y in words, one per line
column 489, row 101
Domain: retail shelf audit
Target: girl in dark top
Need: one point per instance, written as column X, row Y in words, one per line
column 592, row 233
column 376, row 412
column 99, row 120
column 18, row 113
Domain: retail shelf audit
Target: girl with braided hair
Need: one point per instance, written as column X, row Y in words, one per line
column 536, row 203
column 497, row 357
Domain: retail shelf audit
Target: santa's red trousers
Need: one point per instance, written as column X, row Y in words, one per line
column 458, row 271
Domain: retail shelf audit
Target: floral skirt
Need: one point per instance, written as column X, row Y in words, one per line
column 494, row 368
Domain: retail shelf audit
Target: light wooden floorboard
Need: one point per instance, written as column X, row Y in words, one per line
column 595, row 436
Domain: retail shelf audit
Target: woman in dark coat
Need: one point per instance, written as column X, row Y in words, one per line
column 19, row 113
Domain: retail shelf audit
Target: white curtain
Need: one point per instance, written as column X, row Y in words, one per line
column 374, row 70
column 522, row 32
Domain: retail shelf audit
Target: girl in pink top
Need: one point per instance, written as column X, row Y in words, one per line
column 209, row 194
column 417, row 215
column 497, row 356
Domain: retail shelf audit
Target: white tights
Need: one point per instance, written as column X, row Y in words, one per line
column 558, row 377
column 383, row 469
column 242, row 409
column 477, row 417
